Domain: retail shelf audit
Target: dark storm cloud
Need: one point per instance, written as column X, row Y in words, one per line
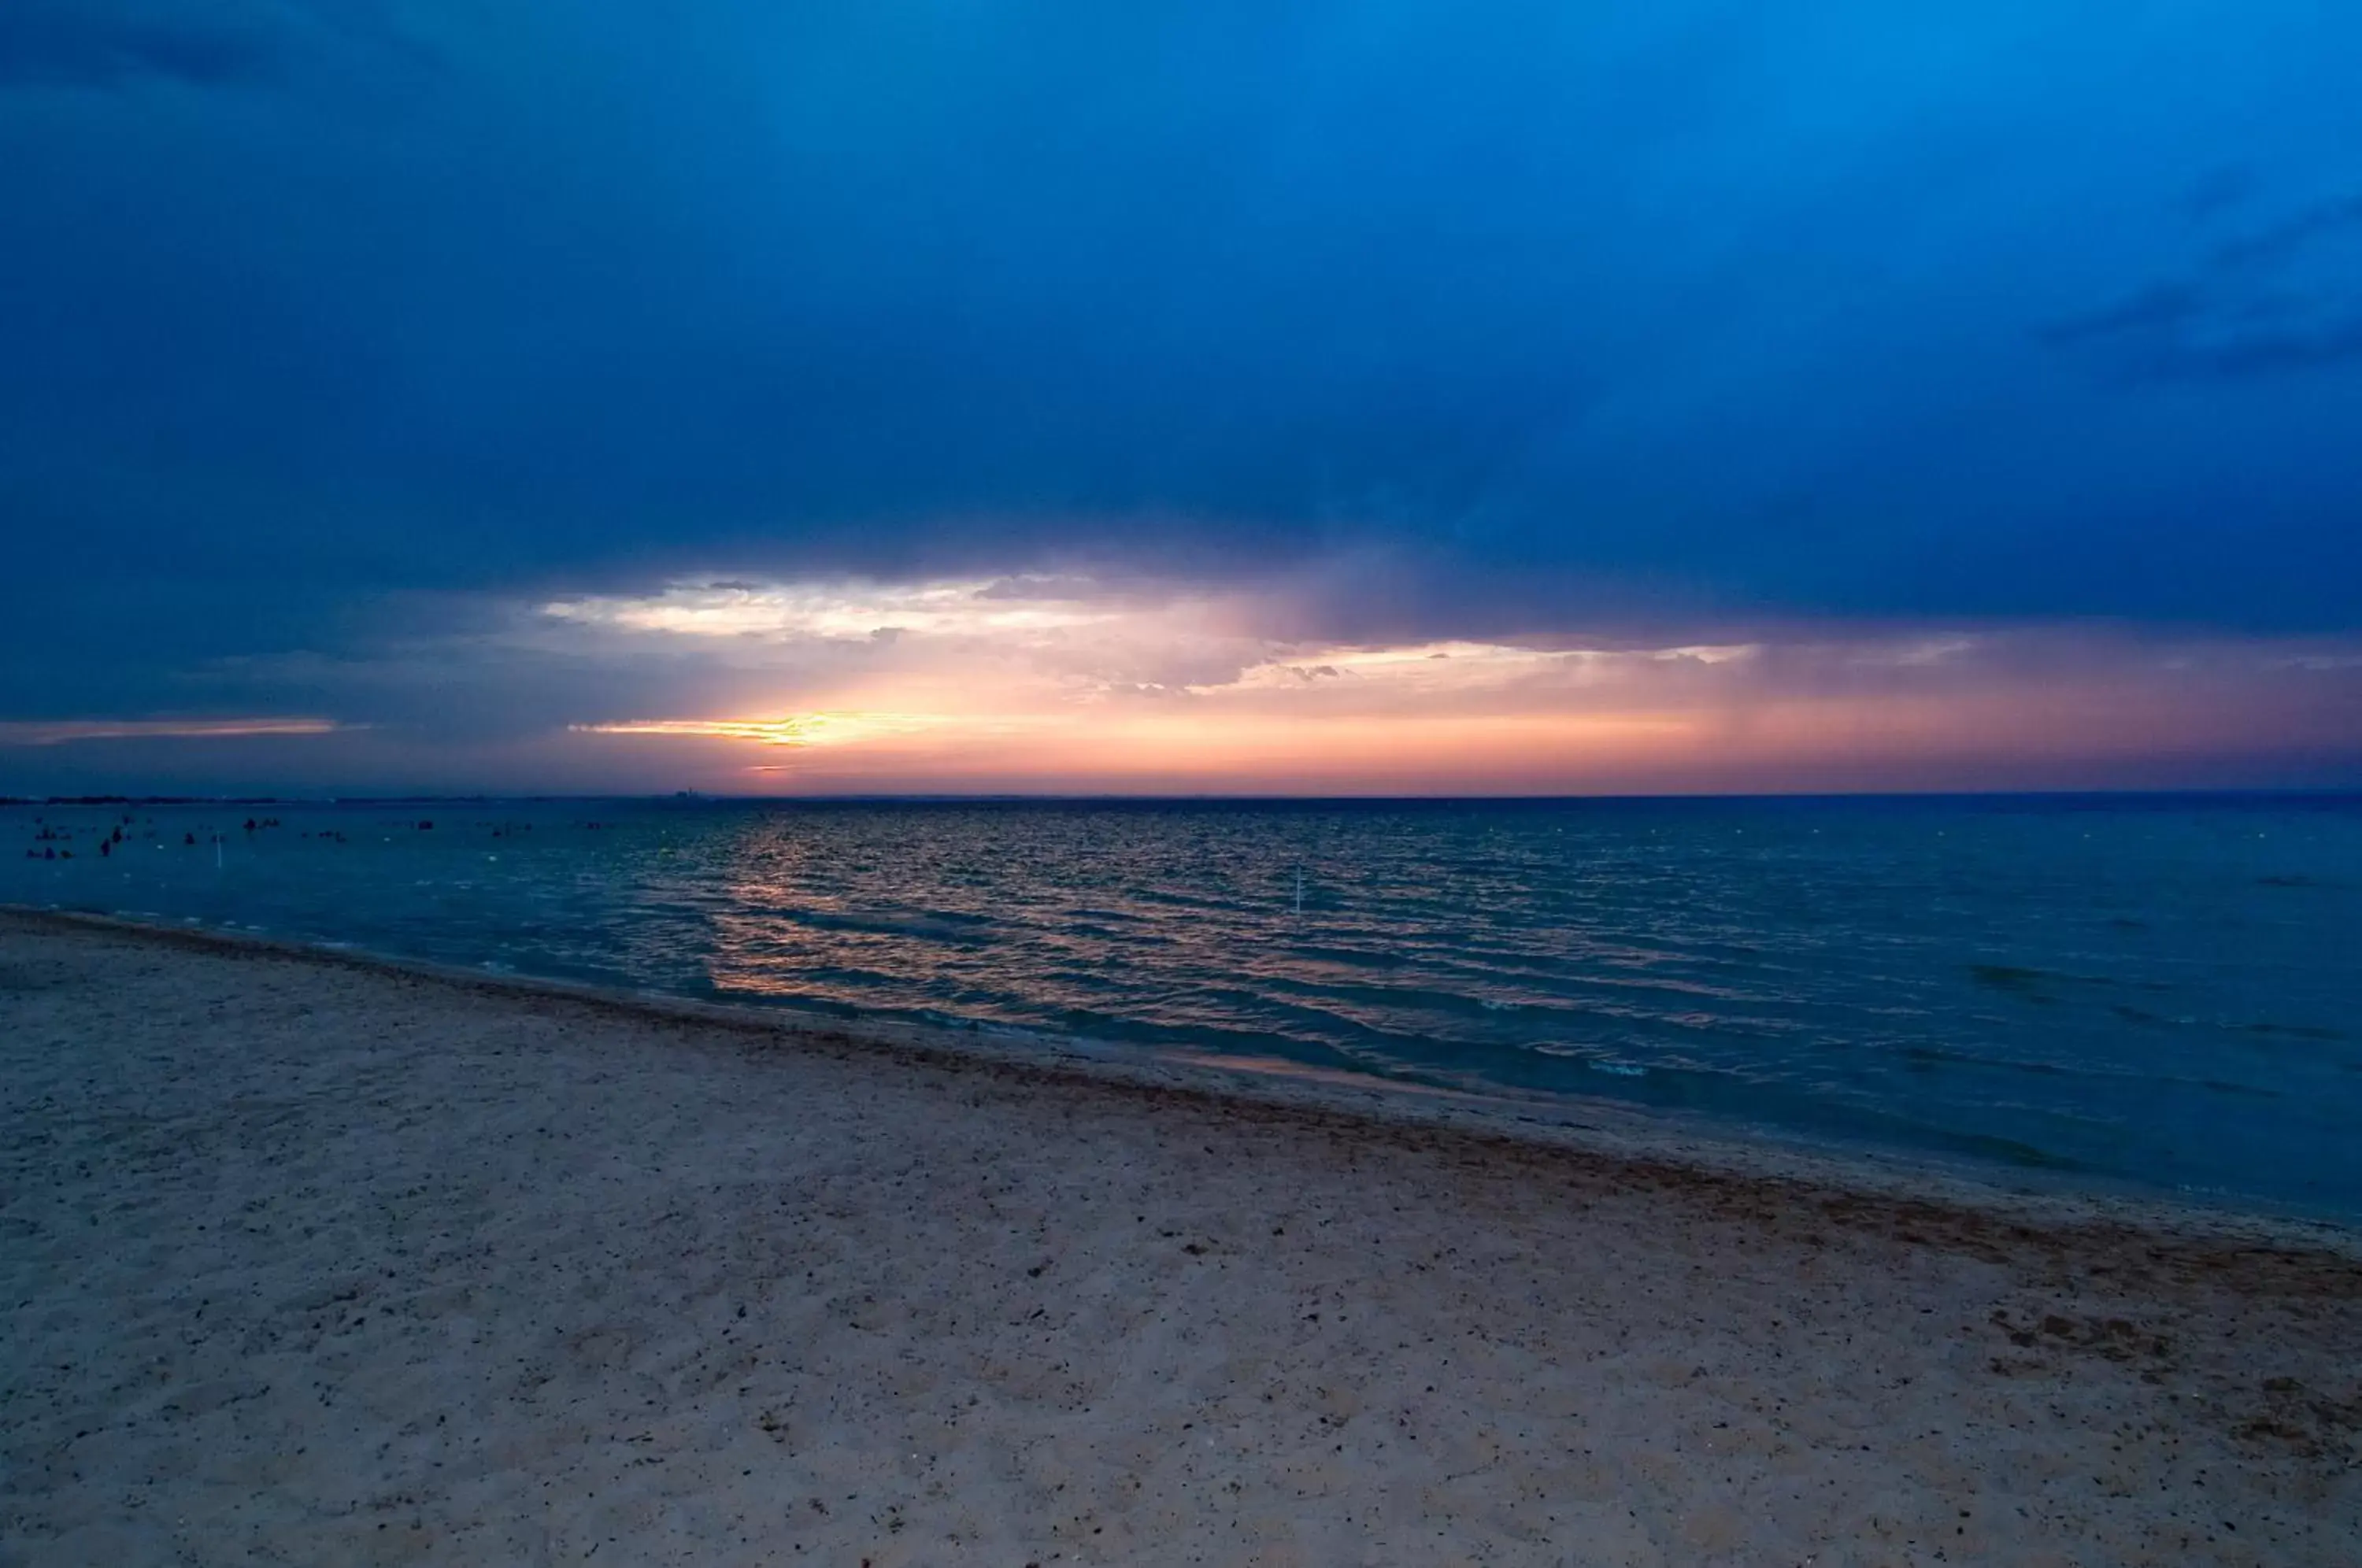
column 2284, row 239
column 1558, row 319
column 2159, row 306
column 2219, row 191
column 102, row 42
column 2250, row 309
column 120, row 45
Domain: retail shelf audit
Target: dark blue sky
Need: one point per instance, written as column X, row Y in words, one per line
column 338, row 330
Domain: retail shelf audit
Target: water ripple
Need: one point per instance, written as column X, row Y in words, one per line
column 2162, row 990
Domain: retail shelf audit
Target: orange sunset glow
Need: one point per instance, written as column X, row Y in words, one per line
column 1009, row 686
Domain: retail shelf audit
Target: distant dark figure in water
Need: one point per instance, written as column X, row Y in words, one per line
column 190, row 839
column 423, row 826
column 106, row 846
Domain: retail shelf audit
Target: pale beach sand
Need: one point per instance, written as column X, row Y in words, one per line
column 309, row 1261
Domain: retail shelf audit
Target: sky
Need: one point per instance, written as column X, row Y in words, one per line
column 1368, row 397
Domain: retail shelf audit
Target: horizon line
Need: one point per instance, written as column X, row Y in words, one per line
column 1209, row 798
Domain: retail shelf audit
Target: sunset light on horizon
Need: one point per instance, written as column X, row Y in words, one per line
column 1349, row 781
column 1012, row 686
column 1363, row 400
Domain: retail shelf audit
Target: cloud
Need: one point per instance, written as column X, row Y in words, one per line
column 2283, row 241
column 205, row 43
column 2219, row 191
column 1992, row 706
column 795, row 730
column 1242, row 691
column 824, row 359
column 360, row 45
column 2283, row 296
column 60, row 731
column 1605, row 303
column 845, row 609
column 2159, row 306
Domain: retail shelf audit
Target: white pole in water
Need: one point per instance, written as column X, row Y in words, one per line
column 1299, row 889
column 217, row 865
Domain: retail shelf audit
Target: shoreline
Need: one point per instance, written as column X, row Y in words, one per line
column 313, row 1257
column 1592, row 1130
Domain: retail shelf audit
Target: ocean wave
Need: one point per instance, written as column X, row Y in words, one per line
column 2128, row 990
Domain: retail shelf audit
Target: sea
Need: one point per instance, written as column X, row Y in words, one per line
column 2154, row 993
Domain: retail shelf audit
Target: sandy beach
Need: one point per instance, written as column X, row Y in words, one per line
column 308, row 1260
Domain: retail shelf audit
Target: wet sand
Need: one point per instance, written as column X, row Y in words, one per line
column 310, row 1260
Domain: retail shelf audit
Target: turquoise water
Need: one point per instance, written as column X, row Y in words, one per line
column 2160, row 991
